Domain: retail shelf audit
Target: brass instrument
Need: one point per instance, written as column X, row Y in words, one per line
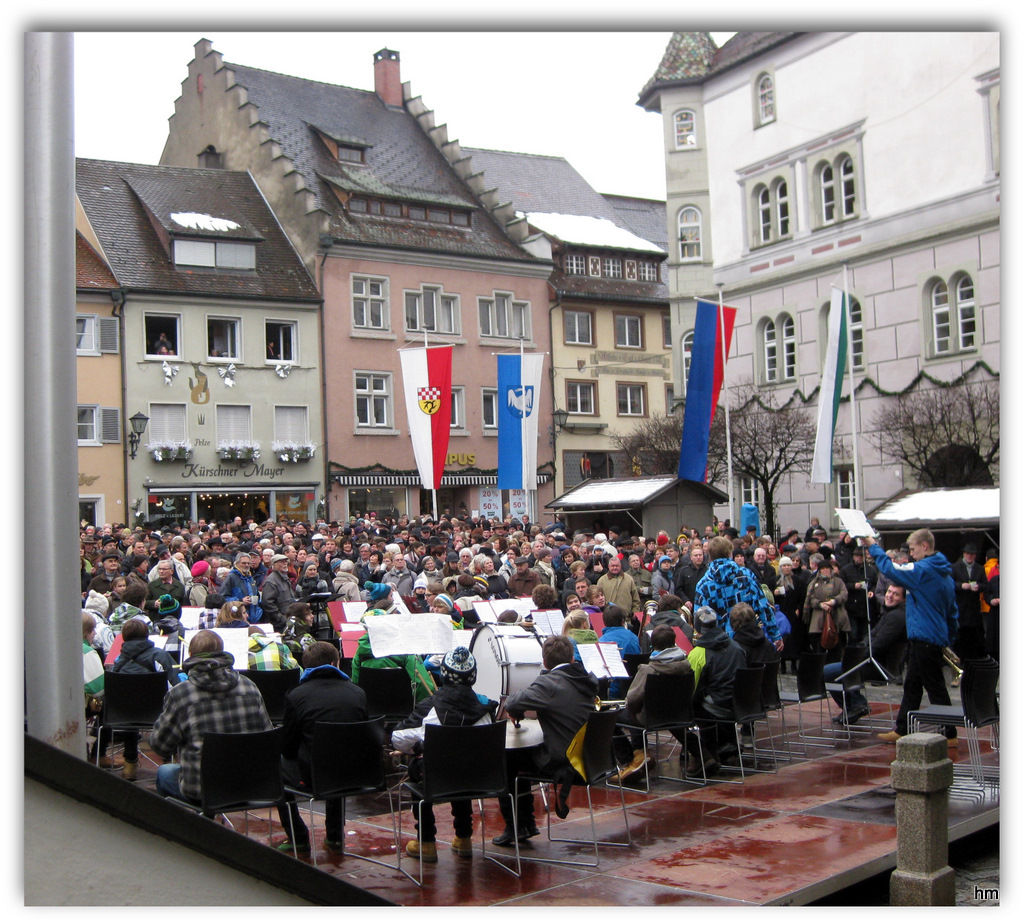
column 954, row 662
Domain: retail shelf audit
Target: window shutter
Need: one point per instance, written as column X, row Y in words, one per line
column 233, row 423
column 167, row 422
column 290, row 424
column 110, row 424
column 109, row 335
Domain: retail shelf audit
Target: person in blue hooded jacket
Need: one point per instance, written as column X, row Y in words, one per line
column 931, row 623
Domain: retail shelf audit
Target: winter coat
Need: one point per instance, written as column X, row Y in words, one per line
column 932, row 614
column 820, row 590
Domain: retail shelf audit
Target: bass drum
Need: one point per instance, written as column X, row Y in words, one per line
column 507, row 660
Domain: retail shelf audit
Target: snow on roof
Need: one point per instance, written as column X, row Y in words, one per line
column 621, row 493
column 962, row 504
column 592, row 232
column 197, row 222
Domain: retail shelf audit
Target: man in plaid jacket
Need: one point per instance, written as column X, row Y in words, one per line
column 267, row 654
column 726, row 583
column 213, row 698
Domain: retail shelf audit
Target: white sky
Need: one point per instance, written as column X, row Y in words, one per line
column 571, row 94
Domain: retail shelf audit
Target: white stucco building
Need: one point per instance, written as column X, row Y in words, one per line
column 797, row 159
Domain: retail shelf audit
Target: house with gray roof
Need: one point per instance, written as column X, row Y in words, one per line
column 407, row 246
column 218, row 325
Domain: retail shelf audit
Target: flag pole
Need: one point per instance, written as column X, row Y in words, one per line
column 522, row 422
column 853, row 405
column 725, row 391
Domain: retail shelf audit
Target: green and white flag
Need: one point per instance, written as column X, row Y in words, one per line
column 831, row 389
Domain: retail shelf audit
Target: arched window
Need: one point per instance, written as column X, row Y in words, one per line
column 764, row 215
column 966, row 321
column 788, row 347
column 765, row 99
column 782, row 208
column 689, row 233
column 941, row 332
column 685, row 122
column 856, row 334
column 827, row 188
column 848, row 187
column 771, row 352
column 687, row 355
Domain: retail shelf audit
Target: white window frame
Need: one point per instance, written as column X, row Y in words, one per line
column 966, row 312
column 374, row 401
column 489, row 409
column 783, row 219
column 631, row 333
column 89, row 418
column 647, row 271
column 847, row 186
column 502, row 310
column 575, row 264
column 612, row 267
column 234, row 323
column 750, row 491
column 215, row 254
column 635, row 396
column 370, row 301
column 765, row 90
column 686, row 356
column 684, row 123
column 578, row 395
column 856, row 319
column 283, row 324
column 786, row 328
column 574, row 336
column 827, row 193
column 459, row 423
column 419, row 304
column 845, row 489
column 87, row 339
column 176, row 318
column 690, row 228
column 941, row 318
column 770, row 351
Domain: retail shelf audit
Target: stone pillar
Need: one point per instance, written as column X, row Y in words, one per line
column 921, row 776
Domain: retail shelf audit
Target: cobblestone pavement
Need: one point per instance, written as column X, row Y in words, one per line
column 974, row 859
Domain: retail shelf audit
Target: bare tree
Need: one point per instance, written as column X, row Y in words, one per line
column 949, row 437
column 769, row 443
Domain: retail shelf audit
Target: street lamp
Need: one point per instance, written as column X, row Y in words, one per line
column 139, row 422
column 561, row 417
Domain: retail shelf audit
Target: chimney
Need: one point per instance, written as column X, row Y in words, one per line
column 387, row 77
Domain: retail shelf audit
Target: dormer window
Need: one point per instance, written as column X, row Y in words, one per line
column 215, row 254
column 350, row 154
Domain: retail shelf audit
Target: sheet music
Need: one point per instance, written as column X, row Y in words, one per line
column 613, row 659
column 548, row 621
column 590, row 654
column 236, row 643
column 353, row 611
column 522, row 606
column 461, row 637
column 189, row 617
column 419, row 633
column 484, row 610
column 855, row 522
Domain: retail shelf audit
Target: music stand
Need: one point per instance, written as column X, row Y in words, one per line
column 870, row 654
column 318, row 604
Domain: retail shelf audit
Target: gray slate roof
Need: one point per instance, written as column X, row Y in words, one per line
column 401, row 163
column 130, row 207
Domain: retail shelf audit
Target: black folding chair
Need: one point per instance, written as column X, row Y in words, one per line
column 274, row 685
column 747, row 709
column 131, row 702
column 771, row 700
column 239, row 772
column 810, row 687
column 668, row 706
column 346, row 759
column 388, row 693
column 598, row 765
column 461, row 764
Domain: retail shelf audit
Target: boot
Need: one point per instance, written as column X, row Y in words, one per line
column 111, row 762
column 633, row 766
column 462, row 846
column 131, row 770
column 412, row 849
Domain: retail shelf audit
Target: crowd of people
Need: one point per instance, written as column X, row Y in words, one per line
column 704, row 603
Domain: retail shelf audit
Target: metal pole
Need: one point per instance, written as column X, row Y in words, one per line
column 857, row 486
column 725, row 392
column 54, row 691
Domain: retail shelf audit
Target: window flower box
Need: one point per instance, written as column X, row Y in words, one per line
column 170, row 451
column 238, row 451
column 293, row 451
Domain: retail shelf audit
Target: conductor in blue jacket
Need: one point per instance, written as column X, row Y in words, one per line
column 931, row 623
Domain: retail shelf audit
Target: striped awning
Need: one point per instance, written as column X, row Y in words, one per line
column 353, row 479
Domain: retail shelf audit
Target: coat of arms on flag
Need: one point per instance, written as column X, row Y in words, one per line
column 429, row 400
column 520, row 401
